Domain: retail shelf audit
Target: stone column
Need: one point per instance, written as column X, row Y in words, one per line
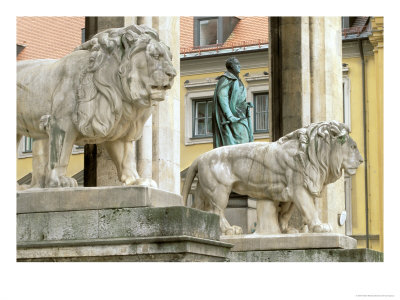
column 166, row 118
column 295, row 73
column 310, row 67
column 106, row 171
column 327, row 101
column 375, row 132
column 145, row 144
column 99, row 170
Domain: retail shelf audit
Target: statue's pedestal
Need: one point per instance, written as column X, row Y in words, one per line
column 241, row 211
column 301, row 247
column 114, row 224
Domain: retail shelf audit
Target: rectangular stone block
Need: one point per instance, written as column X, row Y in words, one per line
column 117, row 223
column 308, row 255
column 255, row 242
column 156, row 249
column 67, row 199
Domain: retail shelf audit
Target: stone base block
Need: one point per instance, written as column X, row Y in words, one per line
column 114, row 224
column 156, row 249
column 255, row 242
column 308, row 255
column 241, row 211
column 67, row 199
column 117, row 223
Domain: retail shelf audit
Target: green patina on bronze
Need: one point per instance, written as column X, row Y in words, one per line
column 231, row 113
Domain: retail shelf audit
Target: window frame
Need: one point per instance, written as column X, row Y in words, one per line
column 258, row 84
column 194, row 102
column 25, row 149
column 197, row 30
column 255, row 112
column 21, row 153
column 346, row 99
column 196, row 89
column 222, row 33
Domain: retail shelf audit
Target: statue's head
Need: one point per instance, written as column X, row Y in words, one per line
column 125, row 65
column 233, row 65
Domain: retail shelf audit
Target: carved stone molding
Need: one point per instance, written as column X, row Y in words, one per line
column 376, row 38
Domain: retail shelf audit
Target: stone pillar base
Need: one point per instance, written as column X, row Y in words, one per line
column 148, row 249
column 258, row 242
column 241, row 211
column 302, row 247
column 114, row 224
column 308, row 255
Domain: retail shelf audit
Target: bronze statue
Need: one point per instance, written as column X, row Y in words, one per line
column 231, row 113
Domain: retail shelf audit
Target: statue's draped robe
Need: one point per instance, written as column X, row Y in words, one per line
column 230, row 99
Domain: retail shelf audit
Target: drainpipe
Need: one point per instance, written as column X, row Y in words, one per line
column 365, row 141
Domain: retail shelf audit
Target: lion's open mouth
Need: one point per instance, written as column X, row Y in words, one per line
column 157, row 94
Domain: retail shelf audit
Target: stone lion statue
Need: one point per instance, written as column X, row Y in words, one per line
column 101, row 93
column 292, row 170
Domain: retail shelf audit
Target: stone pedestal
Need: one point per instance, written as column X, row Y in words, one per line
column 241, row 211
column 258, row 242
column 308, row 255
column 301, row 247
column 114, row 224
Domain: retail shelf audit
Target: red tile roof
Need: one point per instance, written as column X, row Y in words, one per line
column 48, row 37
column 248, row 31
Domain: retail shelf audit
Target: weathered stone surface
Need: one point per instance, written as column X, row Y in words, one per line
column 63, row 199
column 117, row 223
column 176, row 248
column 255, row 242
column 291, row 172
column 308, row 255
column 241, row 211
column 98, row 94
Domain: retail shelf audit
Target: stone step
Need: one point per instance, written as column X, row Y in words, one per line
column 89, row 198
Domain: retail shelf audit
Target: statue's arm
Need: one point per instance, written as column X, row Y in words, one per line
column 223, row 99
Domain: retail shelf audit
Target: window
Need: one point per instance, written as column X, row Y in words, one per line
column 27, row 145
column 260, row 112
column 213, row 30
column 202, row 117
column 83, row 33
column 346, row 102
column 208, row 32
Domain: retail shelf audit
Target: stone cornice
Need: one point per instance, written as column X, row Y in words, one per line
column 376, row 38
column 200, row 83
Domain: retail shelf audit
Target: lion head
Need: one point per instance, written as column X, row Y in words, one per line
column 325, row 149
column 125, row 65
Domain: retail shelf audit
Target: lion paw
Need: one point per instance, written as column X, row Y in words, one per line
column 147, row 182
column 128, row 180
column 234, row 230
column 320, row 228
column 131, row 180
column 290, row 230
column 63, row 181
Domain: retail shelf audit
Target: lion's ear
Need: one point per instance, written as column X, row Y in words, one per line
column 129, row 38
column 334, row 128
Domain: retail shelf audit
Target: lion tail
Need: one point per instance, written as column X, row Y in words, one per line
column 191, row 174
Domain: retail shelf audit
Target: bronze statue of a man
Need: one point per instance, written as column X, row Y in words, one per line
column 231, row 113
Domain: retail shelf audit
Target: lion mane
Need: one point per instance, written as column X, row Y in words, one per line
column 317, row 153
column 103, row 85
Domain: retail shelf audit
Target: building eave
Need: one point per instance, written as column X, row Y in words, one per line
column 220, row 52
